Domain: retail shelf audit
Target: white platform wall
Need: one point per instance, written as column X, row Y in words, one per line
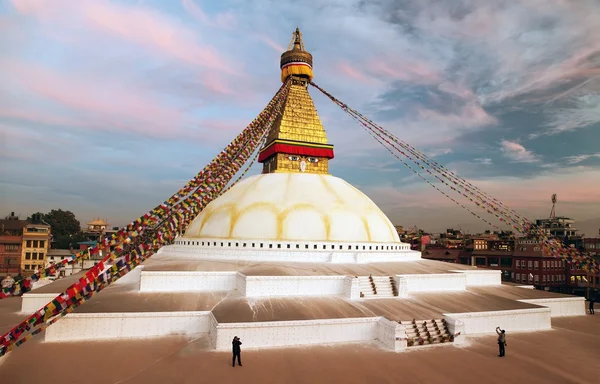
column 96, row 326
column 534, row 319
column 177, row 281
column 562, row 306
column 264, row 286
column 32, row 302
column 478, row 278
column 299, row 251
column 132, row 277
column 290, row 333
column 438, row 282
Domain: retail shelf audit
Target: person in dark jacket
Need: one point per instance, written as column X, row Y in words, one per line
column 501, row 341
column 236, row 351
column 592, row 299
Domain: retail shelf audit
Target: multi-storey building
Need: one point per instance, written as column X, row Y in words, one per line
column 11, row 240
column 35, row 246
column 532, row 265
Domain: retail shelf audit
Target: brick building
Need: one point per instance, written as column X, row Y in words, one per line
column 11, row 242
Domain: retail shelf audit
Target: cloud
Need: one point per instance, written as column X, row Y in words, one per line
column 517, row 152
column 483, row 160
column 136, row 24
column 165, row 87
column 422, row 205
column 581, row 112
column 580, row 158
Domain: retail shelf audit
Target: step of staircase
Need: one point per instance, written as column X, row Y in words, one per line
column 420, row 338
column 383, row 287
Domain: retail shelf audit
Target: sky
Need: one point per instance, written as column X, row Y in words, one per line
column 108, row 107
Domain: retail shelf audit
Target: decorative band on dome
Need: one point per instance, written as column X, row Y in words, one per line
column 296, row 63
column 291, row 57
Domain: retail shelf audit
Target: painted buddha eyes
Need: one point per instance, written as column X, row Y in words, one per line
column 310, row 159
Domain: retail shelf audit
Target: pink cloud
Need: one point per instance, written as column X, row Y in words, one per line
column 135, row 24
column 517, row 152
column 348, row 70
column 471, row 115
column 101, row 104
column 406, row 70
column 268, row 41
column 576, row 187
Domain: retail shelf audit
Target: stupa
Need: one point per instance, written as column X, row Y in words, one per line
column 296, row 256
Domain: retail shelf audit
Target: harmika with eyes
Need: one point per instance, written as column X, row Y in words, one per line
column 303, row 161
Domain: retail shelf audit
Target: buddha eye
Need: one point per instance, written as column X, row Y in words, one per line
column 313, row 160
column 293, row 158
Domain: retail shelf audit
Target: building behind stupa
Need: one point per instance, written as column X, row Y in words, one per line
column 296, row 256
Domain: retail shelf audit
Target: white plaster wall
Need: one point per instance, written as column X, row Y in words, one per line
column 342, row 257
column 409, row 255
column 177, row 281
column 402, row 286
column 351, row 288
column 241, row 283
column 478, row 278
column 534, row 319
column 390, row 334
column 433, row 282
column 296, row 251
column 212, row 330
column 96, row 326
column 561, row 307
column 289, row 333
column 263, row 286
column 132, row 276
column 456, row 328
column 32, row 302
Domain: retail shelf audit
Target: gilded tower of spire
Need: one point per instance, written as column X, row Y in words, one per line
column 297, row 142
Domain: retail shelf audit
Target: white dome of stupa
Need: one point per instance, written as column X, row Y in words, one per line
column 294, row 207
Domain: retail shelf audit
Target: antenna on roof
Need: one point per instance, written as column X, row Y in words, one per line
column 553, row 211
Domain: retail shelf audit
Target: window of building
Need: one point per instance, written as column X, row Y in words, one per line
column 35, row 244
column 518, row 264
column 28, row 244
column 537, row 278
column 42, row 243
column 518, row 277
column 11, row 247
column 529, row 264
column 544, row 278
column 27, row 266
column 41, row 256
column 27, row 255
column 544, row 265
column 536, row 265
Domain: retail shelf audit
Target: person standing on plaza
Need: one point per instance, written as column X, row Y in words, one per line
column 236, row 351
column 501, row 341
column 592, row 300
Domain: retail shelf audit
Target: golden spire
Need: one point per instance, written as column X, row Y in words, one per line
column 297, row 141
column 296, row 60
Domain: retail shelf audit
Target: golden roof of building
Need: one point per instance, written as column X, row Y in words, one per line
column 97, row 221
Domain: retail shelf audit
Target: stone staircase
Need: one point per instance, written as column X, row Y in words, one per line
column 377, row 287
column 427, row 332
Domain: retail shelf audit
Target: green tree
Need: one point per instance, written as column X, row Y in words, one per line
column 65, row 227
